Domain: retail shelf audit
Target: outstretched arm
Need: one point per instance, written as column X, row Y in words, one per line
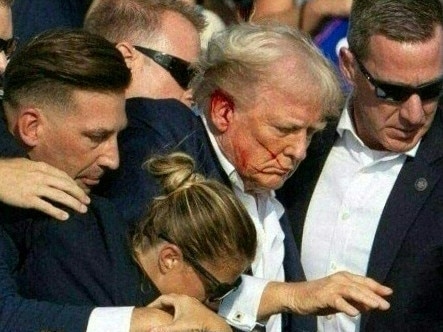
column 340, row 292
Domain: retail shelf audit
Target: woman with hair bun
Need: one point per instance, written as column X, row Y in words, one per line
column 195, row 239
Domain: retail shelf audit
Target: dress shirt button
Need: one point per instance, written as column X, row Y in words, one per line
column 238, row 317
column 329, row 317
column 333, row 266
column 345, row 215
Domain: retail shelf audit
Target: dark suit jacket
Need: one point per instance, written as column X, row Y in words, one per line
column 154, row 127
column 23, row 315
column 17, row 313
column 32, row 17
column 407, row 253
column 85, row 260
column 167, row 125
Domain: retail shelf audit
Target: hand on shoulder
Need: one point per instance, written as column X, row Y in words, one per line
column 36, row 185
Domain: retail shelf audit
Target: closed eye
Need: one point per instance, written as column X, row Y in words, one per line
column 98, row 136
column 287, row 130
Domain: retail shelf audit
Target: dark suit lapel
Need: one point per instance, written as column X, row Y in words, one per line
column 207, row 160
column 413, row 186
column 411, row 189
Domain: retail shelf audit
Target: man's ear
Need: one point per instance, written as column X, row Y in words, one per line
column 129, row 53
column 347, row 65
column 170, row 258
column 28, row 125
column 221, row 110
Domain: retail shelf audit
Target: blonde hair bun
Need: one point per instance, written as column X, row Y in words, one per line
column 175, row 171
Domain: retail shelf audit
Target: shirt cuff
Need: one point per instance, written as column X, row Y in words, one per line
column 112, row 319
column 240, row 308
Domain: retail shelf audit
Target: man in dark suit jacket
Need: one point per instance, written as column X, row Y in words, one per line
column 368, row 199
column 18, row 313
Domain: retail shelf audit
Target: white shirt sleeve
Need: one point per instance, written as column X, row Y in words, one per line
column 241, row 307
column 111, row 319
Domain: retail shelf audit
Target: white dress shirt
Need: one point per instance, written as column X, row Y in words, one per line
column 344, row 211
column 240, row 308
column 110, row 319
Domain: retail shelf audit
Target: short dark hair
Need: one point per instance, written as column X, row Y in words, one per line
column 52, row 65
column 398, row 20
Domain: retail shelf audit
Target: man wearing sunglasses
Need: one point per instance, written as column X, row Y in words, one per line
column 159, row 41
column 368, row 199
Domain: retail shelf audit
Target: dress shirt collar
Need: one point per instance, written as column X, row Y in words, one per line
column 224, row 162
column 345, row 124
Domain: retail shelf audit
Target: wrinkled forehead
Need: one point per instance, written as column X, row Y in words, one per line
column 296, row 106
column 397, row 62
column 302, row 91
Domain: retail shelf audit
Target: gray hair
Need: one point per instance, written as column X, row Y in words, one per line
column 241, row 59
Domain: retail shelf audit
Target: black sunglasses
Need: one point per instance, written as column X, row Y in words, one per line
column 400, row 93
column 219, row 290
column 8, row 46
column 179, row 69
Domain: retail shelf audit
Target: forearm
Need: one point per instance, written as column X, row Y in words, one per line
column 284, row 11
column 145, row 318
column 310, row 16
column 18, row 314
column 340, row 292
column 312, row 12
column 275, row 299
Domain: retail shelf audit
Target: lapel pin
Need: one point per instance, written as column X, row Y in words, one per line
column 421, row 184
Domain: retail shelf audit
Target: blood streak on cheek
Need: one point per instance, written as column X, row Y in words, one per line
column 243, row 159
column 272, row 154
